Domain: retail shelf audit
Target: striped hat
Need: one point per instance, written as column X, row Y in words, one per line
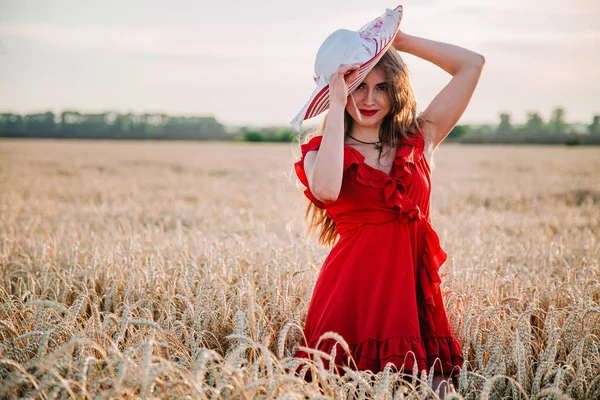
column 365, row 47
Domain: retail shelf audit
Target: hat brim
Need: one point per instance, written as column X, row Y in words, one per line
column 319, row 101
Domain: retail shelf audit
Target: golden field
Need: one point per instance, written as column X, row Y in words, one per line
column 182, row 270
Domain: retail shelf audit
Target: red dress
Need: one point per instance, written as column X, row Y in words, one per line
column 379, row 287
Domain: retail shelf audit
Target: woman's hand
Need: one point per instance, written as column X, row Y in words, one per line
column 338, row 88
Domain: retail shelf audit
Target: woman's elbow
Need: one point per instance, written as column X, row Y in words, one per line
column 479, row 60
column 474, row 65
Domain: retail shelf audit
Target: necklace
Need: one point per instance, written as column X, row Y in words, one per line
column 377, row 144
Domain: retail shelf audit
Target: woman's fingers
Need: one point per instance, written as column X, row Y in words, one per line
column 350, row 72
column 338, row 87
column 343, row 70
column 347, row 68
column 350, row 75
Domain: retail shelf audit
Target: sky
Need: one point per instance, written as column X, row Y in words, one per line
column 251, row 62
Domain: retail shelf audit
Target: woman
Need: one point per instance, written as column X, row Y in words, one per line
column 367, row 174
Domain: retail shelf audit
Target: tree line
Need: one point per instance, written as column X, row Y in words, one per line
column 76, row 125
column 109, row 125
column 535, row 131
column 73, row 124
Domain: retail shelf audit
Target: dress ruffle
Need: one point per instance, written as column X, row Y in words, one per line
column 445, row 349
column 313, row 144
column 394, row 185
column 433, row 258
column 443, row 352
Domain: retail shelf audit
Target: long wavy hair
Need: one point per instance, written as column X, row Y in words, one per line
column 402, row 123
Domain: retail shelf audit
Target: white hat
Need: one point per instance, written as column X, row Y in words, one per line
column 365, row 47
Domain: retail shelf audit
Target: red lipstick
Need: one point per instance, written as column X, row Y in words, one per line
column 368, row 113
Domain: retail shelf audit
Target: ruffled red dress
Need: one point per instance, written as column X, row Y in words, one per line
column 379, row 287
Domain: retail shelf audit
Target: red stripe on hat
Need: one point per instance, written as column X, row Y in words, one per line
column 323, row 92
column 322, row 104
column 363, row 71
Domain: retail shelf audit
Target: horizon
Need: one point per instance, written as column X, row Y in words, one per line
column 307, row 125
column 190, row 61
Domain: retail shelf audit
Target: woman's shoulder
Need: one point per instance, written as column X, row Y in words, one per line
column 351, row 155
column 312, row 144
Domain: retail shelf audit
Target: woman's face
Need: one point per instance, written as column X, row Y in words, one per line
column 372, row 100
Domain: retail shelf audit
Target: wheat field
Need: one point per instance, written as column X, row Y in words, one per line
column 182, row 270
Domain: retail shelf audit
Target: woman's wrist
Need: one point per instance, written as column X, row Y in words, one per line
column 335, row 121
column 335, row 114
column 337, row 104
column 400, row 41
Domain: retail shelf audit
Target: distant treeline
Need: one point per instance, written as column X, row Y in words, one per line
column 267, row 135
column 72, row 124
column 534, row 131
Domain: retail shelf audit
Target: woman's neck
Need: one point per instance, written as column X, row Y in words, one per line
column 365, row 133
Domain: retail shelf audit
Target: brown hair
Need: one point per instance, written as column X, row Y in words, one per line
column 401, row 123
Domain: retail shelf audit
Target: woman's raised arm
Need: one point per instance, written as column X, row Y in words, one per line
column 449, row 104
column 324, row 170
